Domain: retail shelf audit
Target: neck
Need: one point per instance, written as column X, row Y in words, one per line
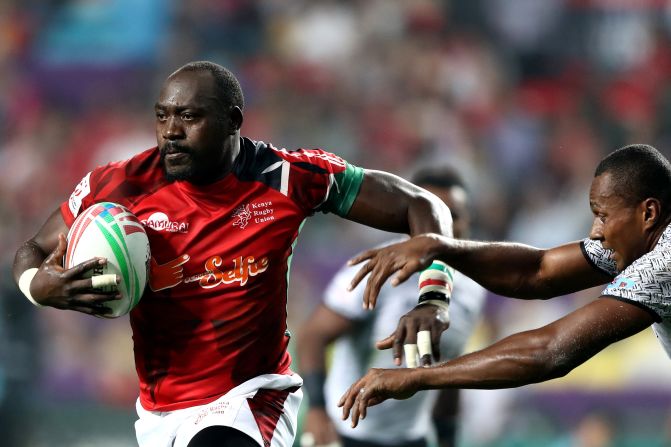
column 230, row 151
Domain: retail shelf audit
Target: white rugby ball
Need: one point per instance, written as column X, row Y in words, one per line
column 111, row 231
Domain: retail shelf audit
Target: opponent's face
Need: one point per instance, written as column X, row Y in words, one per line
column 617, row 224
column 192, row 128
column 456, row 199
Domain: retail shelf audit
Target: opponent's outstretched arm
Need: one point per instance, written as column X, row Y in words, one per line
column 508, row 269
column 520, row 359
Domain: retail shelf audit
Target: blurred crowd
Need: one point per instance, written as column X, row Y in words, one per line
column 523, row 96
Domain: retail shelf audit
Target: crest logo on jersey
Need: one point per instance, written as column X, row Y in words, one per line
column 242, row 216
column 622, row 283
column 161, row 222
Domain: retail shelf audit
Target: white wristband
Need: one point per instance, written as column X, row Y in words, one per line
column 24, row 284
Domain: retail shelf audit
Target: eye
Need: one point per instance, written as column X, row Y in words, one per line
column 602, row 218
column 160, row 116
column 187, row 116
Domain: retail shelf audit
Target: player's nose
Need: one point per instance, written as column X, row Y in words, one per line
column 172, row 129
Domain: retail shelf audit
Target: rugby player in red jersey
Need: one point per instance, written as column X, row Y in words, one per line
column 222, row 213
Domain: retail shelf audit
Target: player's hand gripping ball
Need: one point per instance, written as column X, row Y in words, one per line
column 108, row 230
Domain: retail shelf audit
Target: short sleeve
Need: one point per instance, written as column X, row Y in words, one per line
column 598, row 256
column 80, row 199
column 315, row 179
column 345, row 188
column 647, row 283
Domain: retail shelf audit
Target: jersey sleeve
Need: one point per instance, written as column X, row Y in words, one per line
column 93, row 188
column 598, row 256
column 80, row 199
column 322, row 181
column 646, row 283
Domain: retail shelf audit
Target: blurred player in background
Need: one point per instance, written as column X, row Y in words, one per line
column 354, row 330
column 222, row 213
column 629, row 247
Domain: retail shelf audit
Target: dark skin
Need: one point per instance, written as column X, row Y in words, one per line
column 324, row 326
column 629, row 229
column 199, row 139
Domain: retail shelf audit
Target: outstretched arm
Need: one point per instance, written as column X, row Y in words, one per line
column 527, row 357
column 508, row 269
column 49, row 284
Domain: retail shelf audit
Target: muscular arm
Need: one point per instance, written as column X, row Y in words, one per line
column 527, row 357
column 34, row 251
column 522, row 271
column 389, row 203
column 508, row 269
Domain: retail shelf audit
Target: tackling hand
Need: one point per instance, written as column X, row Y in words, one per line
column 403, row 258
column 375, row 387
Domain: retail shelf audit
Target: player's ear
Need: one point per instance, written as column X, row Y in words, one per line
column 236, row 117
column 652, row 209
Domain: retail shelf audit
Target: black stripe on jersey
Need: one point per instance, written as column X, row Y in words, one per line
column 254, row 158
column 310, row 167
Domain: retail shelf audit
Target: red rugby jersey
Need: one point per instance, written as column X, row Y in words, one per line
column 214, row 313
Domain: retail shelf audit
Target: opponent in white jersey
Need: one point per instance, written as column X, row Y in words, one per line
column 341, row 317
column 629, row 246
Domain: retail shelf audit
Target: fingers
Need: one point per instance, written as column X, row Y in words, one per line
column 358, row 259
column 381, row 271
column 435, row 344
column 94, row 299
column 106, row 280
column 56, row 256
column 397, row 347
column 385, row 343
column 360, row 275
column 83, row 267
column 410, row 350
column 405, row 272
column 424, row 347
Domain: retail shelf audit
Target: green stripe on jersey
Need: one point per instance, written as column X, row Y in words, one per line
column 342, row 195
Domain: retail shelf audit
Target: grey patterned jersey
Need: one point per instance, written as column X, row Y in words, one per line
column 646, row 282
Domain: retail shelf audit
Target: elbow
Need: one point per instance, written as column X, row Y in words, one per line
column 427, row 207
column 547, row 358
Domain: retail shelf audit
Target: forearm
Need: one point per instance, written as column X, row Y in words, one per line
column 390, row 203
column 515, row 361
column 508, row 269
column 29, row 255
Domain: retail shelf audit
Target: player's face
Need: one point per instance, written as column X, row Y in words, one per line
column 617, row 223
column 456, row 199
column 192, row 132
